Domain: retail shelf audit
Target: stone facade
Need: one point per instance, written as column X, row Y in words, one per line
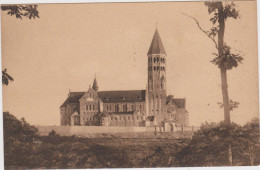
column 150, row 107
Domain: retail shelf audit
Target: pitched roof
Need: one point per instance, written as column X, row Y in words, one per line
column 179, row 102
column 110, row 96
column 156, row 45
column 73, row 97
column 122, row 96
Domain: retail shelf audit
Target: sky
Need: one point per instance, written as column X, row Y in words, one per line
column 71, row 43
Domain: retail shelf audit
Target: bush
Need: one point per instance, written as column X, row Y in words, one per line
column 19, row 138
column 209, row 145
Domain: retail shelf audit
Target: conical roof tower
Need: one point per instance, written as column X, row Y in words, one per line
column 156, row 46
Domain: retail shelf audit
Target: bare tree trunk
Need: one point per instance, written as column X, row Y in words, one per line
column 224, row 86
column 223, row 73
column 230, row 155
column 252, row 162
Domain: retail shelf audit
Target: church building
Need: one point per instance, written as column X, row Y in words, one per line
column 147, row 107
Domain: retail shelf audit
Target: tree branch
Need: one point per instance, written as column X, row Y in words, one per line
column 205, row 32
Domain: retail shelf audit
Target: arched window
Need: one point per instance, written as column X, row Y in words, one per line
column 117, row 107
column 87, row 107
column 125, row 108
column 158, row 67
column 93, row 107
column 154, row 60
column 157, row 59
column 107, row 107
column 132, row 107
column 154, row 68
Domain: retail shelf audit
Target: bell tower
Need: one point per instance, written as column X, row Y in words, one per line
column 156, row 78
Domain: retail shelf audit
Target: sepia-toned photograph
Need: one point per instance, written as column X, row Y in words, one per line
column 130, row 85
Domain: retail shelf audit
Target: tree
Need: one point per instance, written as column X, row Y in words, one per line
column 20, row 11
column 224, row 58
column 6, row 78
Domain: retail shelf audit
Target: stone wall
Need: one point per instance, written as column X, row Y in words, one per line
column 82, row 130
column 86, row 130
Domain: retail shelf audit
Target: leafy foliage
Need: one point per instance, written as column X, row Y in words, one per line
column 227, row 11
column 19, row 137
column 6, row 78
column 232, row 105
column 20, row 11
column 227, row 60
column 208, row 146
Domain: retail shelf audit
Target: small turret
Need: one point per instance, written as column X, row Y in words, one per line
column 95, row 85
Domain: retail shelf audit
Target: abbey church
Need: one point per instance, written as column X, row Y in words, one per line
column 148, row 107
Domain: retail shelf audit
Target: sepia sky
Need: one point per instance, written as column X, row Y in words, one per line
column 70, row 43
